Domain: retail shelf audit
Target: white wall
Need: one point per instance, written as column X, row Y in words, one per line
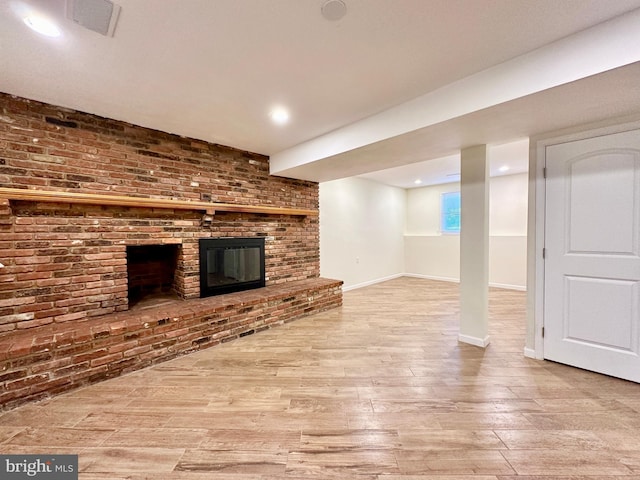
column 429, row 253
column 361, row 231
column 423, row 208
column 508, row 230
column 370, row 232
column 433, row 256
column 508, row 205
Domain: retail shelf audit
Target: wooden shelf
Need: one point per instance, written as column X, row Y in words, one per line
column 125, row 201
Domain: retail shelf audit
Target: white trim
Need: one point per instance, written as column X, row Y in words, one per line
column 476, row 341
column 541, row 142
column 371, row 282
column 583, row 132
column 520, row 288
column 540, row 186
column 530, row 353
column 432, row 277
column 505, row 286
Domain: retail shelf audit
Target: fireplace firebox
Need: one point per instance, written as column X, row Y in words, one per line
column 151, row 273
column 231, row 265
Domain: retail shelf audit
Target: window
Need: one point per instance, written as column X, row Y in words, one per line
column 450, row 212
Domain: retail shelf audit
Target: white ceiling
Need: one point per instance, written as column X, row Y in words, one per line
column 213, row 69
column 506, row 159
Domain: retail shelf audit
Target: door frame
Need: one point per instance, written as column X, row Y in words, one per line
column 534, row 345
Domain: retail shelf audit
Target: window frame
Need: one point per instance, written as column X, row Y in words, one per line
column 443, row 224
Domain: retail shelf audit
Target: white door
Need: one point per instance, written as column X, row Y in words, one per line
column 592, row 266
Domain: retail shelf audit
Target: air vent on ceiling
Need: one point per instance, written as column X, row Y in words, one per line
column 100, row 16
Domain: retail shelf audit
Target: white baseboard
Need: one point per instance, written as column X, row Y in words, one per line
column 478, row 342
column 432, row 277
column 508, row 287
column 371, row 282
column 429, row 277
column 530, row 353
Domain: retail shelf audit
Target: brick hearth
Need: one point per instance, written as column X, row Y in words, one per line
column 63, row 356
column 65, row 264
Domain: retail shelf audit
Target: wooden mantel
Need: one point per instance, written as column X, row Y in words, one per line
column 125, row 201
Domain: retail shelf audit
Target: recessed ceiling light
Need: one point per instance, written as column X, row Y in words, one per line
column 504, row 168
column 417, row 181
column 42, row 25
column 279, row 115
column 333, row 10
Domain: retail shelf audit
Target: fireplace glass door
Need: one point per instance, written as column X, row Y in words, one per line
column 231, row 265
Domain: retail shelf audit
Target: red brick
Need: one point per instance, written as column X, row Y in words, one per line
column 105, row 360
column 26, row 382
column 70, row 317
column 77, row 244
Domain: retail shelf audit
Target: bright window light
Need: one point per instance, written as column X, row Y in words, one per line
column 450, row 213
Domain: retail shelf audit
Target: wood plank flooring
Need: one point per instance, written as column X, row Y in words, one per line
column 379, row 389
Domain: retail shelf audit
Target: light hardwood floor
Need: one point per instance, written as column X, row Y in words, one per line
column 378, row 389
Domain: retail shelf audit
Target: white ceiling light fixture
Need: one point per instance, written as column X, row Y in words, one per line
column 504, row 168
column 333, row 10
column 41, row 24
column 279, row 115
column 417, row 181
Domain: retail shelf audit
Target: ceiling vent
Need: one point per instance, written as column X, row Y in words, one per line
column 100, row 16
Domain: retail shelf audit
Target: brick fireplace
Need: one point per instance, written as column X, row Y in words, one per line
column 152, row 273
column 67, row 266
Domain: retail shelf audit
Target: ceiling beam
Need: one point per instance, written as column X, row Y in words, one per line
column 605, row 47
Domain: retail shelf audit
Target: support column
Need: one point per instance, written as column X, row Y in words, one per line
column 474, row 246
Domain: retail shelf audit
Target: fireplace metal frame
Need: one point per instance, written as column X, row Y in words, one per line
column 206, row 244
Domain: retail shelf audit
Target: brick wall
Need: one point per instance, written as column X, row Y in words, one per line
column 39, row 363
column 67, row 262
